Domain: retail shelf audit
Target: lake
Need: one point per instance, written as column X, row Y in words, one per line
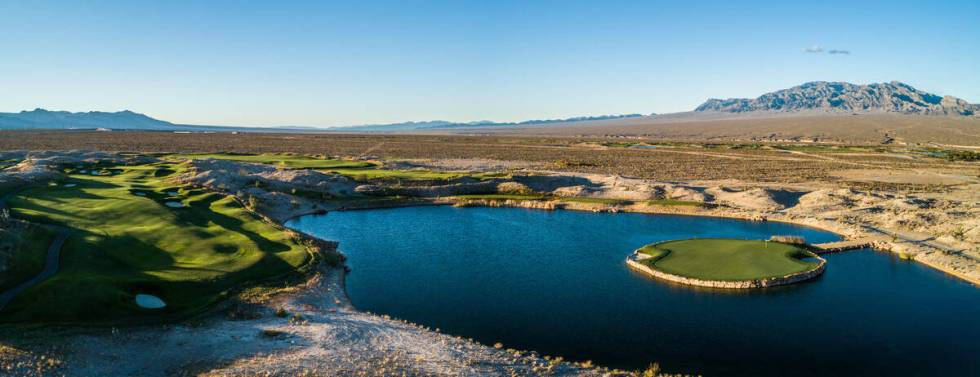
column 556, row 282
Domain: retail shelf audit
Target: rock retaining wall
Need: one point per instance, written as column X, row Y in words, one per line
column 634, row 263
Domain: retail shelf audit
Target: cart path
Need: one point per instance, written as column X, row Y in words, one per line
column 50, row 262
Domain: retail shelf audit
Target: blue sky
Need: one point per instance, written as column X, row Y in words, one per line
column 359, row 62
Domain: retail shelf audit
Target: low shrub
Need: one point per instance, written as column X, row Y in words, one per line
column 792, row 240
column 514, row 188
column 270, row 333
column 963, row 156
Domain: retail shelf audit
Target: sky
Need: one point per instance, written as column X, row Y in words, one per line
column 335, row 63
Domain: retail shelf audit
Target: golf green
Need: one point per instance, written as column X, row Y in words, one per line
column 727, row 259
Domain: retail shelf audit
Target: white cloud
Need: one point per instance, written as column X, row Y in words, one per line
column 817, row 49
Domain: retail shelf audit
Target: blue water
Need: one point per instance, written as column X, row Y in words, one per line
column 556, row 282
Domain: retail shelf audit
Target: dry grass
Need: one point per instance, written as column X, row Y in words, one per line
column 727, row 127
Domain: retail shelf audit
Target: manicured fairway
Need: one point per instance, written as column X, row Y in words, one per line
column 288, row 161
column 502, row 197
column 357, row 170
column 125, row 241
column 727, row 259
column 575, row 199
column 407, row 175
column 673, row 202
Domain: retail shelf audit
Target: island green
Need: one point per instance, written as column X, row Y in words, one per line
column 727, row 259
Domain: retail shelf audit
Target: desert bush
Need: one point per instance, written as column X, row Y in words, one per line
column 514, row 188
column 652, row 371
column 270, row 333
column 793, row 240
column 963, row 156
column 252, row 202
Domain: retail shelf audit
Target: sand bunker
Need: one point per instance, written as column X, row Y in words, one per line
column 146, row 301
column 174, row 204
column 70, row 185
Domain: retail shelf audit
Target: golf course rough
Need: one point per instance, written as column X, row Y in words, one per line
column 727, row 263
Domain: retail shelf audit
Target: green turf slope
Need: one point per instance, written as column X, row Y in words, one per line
column 125, row 240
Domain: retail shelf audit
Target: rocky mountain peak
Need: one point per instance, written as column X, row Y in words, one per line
column 843, row 97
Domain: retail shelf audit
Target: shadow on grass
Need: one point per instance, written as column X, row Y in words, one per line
column 163, row 172
column 90, row 183
column 200, row 214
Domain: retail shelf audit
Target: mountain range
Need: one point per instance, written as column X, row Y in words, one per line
column 128, row 120
column 842, row 97
column 44, row 119
column 441, row 124
column 812, row 97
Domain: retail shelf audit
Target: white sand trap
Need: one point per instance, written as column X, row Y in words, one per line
column 70, row 185
column 146, row 301
column 171, row 193
column 139, row 193
column 83, row 171
column 174, row 204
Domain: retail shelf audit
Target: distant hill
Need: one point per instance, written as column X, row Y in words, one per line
column 442, row 125
column 892, row 97
column 44, row 119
